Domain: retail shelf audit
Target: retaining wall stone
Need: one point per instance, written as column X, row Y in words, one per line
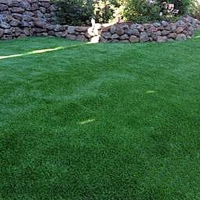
column 22, row 18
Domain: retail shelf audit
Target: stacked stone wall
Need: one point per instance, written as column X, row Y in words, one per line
column 22, row 18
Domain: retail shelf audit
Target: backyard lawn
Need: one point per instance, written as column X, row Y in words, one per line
column 83, row 121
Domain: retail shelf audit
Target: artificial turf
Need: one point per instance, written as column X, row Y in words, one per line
column 85, row 121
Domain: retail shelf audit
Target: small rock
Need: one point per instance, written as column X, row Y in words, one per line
column 120, row 31
column 115, row 36
column 162, row 39
column 1, row 32
column 113, row 29
column 164, row 23
column 140, row 27
column 71, row 29
column 124, row 37
column 71, row 37
column 81, row 29
column 172, row 35
column 144, row 37
column 133, row 32
column 165, row 32
column 181, row 37
column 80, row 38
column 4, row 25
column 106, row 35
column 134, row 39
column 179, row 30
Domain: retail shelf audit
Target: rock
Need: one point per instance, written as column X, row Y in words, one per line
column 25, row 5
column 17, row 10
column 25, row 24
column 125, row 41
column 120, row 31
column 1, row 33
column 40, row 30
column 106, row 35
column 34, row 7
column 154, row 37
column 45, row 3
column 133, row 26
column 113, row 29
column 40, row 24
column 164, row 23
column 181, row 23
column 17, row 16
column 71, row 29
column 106, row 29
column 170, row 40
column 133, row 32
column 3, row 7
column 26, row 31
column 147, row 26
column 87, row 35
column 71, row 37
column 156, row 24
column 7, row 37
column 102, row 39
column 181, row 37
column 134, row 39
column 15, row 23
column 172, row 35
column 16, row 31
column 160, row 28
column 80, row 38
column 8, row 18
column 43, row 10
column 8, row 31
column 179, row 30
column 173, row 27
column 59, row 28
column 59, row 34
column 115, row 36
column 140, row 27
column 64, row 33
column 162, row 39
column 165, row 32
column 4, row 25
column 81, row 29
column 124, row 37
column 144, row 37
column 38, row 14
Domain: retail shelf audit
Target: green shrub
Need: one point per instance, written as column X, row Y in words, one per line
column 105, row 10
column 145, row 11
column 141, row 11
column 80, row 12
column 74, row 12
column 195, row 9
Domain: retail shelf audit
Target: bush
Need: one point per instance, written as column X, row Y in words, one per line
column 151, row 10
column 105, row 10
column 141, row 11
column 74, row 12
column 80, row 12
column 195, row 9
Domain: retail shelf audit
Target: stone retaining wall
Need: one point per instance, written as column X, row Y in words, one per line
column 21, row 18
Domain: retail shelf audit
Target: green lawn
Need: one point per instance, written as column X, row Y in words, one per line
column 85, row 121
